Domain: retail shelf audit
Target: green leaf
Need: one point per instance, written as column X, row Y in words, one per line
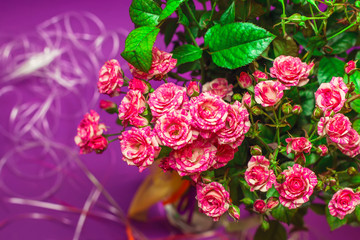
column 144, row 12
column 283, row 214
column 300, row 38
column 272, row 192
column 170, row 8
column 307, row 99
column 236, row 44
column 330, row 67
column 334, row 222
column 205, row 20
column 356, row 125
column 187, row 53
column 285, row 47
column 312, row 2
column 357, row 212
column 229, row 15
column 342, row 42
column 318, row 208
column 164, row 152
column 138, row 47
column 285, row 165
column 355, row 78
column 182, row 18
column 275, row 231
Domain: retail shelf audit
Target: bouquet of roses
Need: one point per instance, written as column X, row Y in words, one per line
column 257, row 104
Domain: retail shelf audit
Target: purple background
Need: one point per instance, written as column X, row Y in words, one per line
column 22, row 17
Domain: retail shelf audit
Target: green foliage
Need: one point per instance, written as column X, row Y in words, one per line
column 229, row 15
column 275, row 231
column 138, row 47
column 343, row 42
column 236, row 44
column 170, row 8
column 187, row 53
column 330, row 67
column 334, row 222
column 283, row 214
column 355, row 78
column 144, row 12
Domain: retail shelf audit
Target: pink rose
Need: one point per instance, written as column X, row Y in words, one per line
column 132, row 105
column 209, row 113
column 246, row 100
column 244, row 80
column 298, row 145
column 290, row 71
column 224, row 154
column 98, row 144
column 174, row 129
column 220, row 87
column 322, row 150
column 167, row 98
column 272, row 202
column 335, row 128
column 298, row 186
column 136, row 84
column 349, row 66
column 258, row 75
column 110, row 78
column 331, row 96
column 297, row 109
column 237, row 124
column 107, row 105
column 234, row 212
column 258, row 175
column 268, row 93
column 162, row 63
column 193, row 158
column 88, row 133
column 343, row 202
column 350, row 144
column 193, row 89
column 213, row 199
column 259, row 206
column 139, row 147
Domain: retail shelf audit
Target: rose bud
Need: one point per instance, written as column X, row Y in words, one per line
column 260, row 76
column 234, row 212
column 317, row 114
column 244, row 80
column 193, row 89
column 322, row 150
column 297, row 109
column 237, row 97
column 352, row 171
column 350, row 66
column 260, row 206
column 256, row 110
column 286, row 108
column 108, row 106
column 272, row 202
column 246, row 100
column 255, row 150
column 332, row 181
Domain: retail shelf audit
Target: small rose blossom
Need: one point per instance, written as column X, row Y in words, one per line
column 260, row 206
column 349, row 66
column 290, row 71
column 136, row 84
column 98, row 144
column 272, row 202
column 331, row 96
column 162, row 63
column 322, row 150
column 193, row 89
column 110, row 78
column 297, row 109
column 167, row 98
column 193, row 158
column 343, row 202
column 335, row 128
column 234, row 212
column 88, row 130
column 298, row 186
column 107, row 105
column 246, row 100
column 237, row 124
column 213, row 199
column 224, row 154
column 258, row 75
column 268, row 93
column 174, row 129
column 258, row 175
column 244, row 80
column 350, row 144
column 139, row 147
column 298, row 145
column 208, row 112
column 132, row 105
column 219, row 87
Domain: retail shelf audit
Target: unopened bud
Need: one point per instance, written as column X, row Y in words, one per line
column 260, row 76
column 193, row 89
column 108, row 106
column 322, row 150
column 320, row 185
column 246, row 100
column 317, row 114
column 247, row 201
column 286, row 108
column 272, row 202
column 297, row 109
column 260, row 206
column 234, row 212
column 352, row 171
column 296, row 18
column 237, row 97
column 332, row 181
column 350, row 67
column 244, row 80
column 256, row 110
column 280, row 178
column 255, row 150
